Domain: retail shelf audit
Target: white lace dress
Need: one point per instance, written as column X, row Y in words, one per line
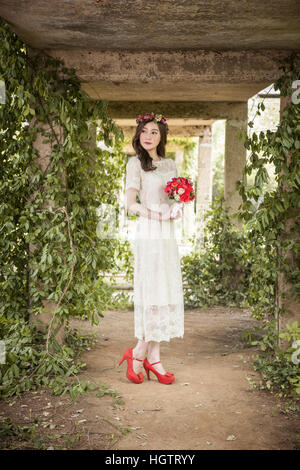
column 158, row 292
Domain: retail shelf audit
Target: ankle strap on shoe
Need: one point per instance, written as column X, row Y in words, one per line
column 137, row 359
column 153, row 363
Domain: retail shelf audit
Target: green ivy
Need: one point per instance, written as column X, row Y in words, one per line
column 214, row 270
column 29, row 366
column 273, row 224
column 279, row 368
column 269, row 212
column 243, row 267
column 49, row 247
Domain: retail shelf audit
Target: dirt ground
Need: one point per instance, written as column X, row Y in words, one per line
column 211, row 404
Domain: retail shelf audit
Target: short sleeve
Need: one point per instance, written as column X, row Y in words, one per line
column 133, row 174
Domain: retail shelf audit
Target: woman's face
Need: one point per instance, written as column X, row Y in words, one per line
column 150, row 136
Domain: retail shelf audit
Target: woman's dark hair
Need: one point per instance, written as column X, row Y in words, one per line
column 142, row 154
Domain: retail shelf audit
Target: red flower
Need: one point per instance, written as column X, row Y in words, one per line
column 175, row 184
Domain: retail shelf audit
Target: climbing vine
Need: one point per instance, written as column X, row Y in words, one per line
column 269, row 215
column 273, row 224
column 49, row 248
column 53, row 178
column 244, row 267
column 216, row 271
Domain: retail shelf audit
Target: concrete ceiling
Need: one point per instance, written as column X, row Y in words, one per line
column 153, row 25
column 134, row 51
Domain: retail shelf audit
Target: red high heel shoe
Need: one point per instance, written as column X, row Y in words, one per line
column 168, row 378
column 131, row 375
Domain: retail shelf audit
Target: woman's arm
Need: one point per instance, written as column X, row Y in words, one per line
column 138, row 209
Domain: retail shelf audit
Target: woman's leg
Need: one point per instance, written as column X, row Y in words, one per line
column 154, row 356
column 140, row 352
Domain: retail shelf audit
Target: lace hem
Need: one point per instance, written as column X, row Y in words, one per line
column 159, row 323
column 160, row 339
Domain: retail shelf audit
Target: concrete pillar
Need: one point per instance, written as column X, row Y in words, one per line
column 235, row 158
column 179, row 156
column 289, row 300
column 204, row 177
column 204, row 180
column 43, row 160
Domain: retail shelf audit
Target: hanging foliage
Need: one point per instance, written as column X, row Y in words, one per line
column 53, row 179
column 273, row 226
column 274, row 214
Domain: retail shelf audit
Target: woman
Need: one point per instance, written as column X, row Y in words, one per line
column 158, row 293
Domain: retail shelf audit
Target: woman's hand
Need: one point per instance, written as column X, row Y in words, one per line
column 177, row 215
column 167, row 215
column 177, row 210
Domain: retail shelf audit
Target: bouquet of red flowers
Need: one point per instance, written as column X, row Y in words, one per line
column 181, row 189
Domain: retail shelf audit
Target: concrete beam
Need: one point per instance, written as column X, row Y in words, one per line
column 152, row 25
column 185, row 75
column 177, row 113
column 234, row 160
column 174, row 131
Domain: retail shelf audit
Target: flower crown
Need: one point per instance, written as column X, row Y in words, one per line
column 152, row 117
